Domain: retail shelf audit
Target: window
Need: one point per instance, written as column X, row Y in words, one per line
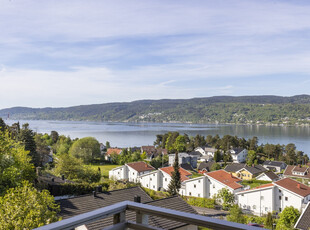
column 153, row 174
column 198, row 181
column 279, row 190
column 266, row 209
column 147, row 185
column 153, row 186
column 286, row 198
column 213, row 186
column 279, row 197
column 165, row 179
column 133, row 173
column 242, row 194
column 194, row 186
column 190, row 193
column 262, row 197
column 150, row 179
column 198, row 195
column 254, row 207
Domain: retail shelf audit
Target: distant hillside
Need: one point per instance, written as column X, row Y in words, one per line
column 222, row 109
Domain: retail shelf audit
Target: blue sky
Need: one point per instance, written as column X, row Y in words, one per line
column 64, row 53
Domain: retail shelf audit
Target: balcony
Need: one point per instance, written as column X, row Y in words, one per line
column 142, row 213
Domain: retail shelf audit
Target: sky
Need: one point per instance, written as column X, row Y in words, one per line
column 73, row 52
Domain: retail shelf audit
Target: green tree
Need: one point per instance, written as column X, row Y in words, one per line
column 2, row 125
column 175, row 183
column 74, row 169
column 251, row 158
column 217, row 156
column 269, row 221
column 62, row 145
column 26, row 208
column 226, row 198
column 107, row 144
column 54, row 137
column 26, row 136
column 15, row 163
column 288, row 218
column 87, row 149
column 215, row 167
column 180, row 144
column 236, row 215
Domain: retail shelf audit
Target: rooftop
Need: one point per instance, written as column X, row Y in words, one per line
column 114, row 150
column 289, row 172
column 273, row 163
column 303, row 221
column 140, row 166
column 225, row 178
column 294, row 186
column 270, row 185
column 184, row 173
column 271, row 175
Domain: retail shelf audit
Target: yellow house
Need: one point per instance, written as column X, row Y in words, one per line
column 244, row 174
column 244, row 171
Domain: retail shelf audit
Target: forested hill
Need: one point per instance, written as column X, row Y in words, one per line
column 222, row 109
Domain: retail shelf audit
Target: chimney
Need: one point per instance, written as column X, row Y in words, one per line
column 99, row 189
column 94, row 194
column 298, row 186
column 63, row 177
column 137, row 199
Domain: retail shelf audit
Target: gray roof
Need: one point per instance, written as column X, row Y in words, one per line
column 82, row 204
column 271, row 175
column 237, row 151
column 195, row 153
column 234, row 167
column 304, row 220
column 206, row 165
column 273, row 163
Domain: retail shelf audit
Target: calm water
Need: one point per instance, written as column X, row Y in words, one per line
column 137, row 134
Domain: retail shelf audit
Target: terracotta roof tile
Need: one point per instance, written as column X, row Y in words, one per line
column 114, row 150
column 225, row 178
column 140, row 166
column 294, row 186
column 184, row 173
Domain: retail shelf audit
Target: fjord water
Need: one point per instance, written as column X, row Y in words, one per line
column 138, row 134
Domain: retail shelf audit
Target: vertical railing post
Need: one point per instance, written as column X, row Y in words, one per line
column 119, row 217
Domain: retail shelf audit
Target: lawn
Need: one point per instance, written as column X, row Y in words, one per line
column 104, row 169
column 254, row 183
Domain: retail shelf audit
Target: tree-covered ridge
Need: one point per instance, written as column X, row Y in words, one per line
column 239, row 110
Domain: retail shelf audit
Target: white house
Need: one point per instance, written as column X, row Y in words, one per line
column 268, row 176
column 195, row 187
column 130, row 171
column 274, row 197
column 259, row 200
column 167, row 173
column 152, row 180
column 210, row 151
column 220, row 179
column 238, row 155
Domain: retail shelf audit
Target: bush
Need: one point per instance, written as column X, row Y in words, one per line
column 200, row 202
column 80, row 188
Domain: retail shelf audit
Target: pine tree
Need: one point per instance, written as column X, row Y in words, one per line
column 175, row 183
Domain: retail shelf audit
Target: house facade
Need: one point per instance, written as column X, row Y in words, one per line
column 184, row 158
column 152, row 180
column 195, row 187
column 274, row 197
column 167, row 175
column 276, row 166
column 238, row 154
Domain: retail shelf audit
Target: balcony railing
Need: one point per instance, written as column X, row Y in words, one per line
column 118, row 211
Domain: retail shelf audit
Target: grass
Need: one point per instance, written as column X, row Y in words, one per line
column 104, row 169
column 254, row 183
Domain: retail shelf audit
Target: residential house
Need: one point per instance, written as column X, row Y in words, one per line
column 184, row 158
column 274, row 197
column 195, row 187
column 268, row 176
column 201, row 150
column 210, row 151
column 86, row 203
column 276, row 166
column 297, row 171
column 220, row 179
column 245, row 172
column 152, row 180
column 205, row 167
column 102, row 148
column 111, row 151
column 238, row 154
column 130, row 171
column 259, row 200
column 303, row 222
column 167, row 175
column 152, row 152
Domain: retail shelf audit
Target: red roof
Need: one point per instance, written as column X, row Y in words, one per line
column 113, row 150
column 225, row 178
column 290, row 168
column 140, row 166
column 184, row 173
column 294, row 186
